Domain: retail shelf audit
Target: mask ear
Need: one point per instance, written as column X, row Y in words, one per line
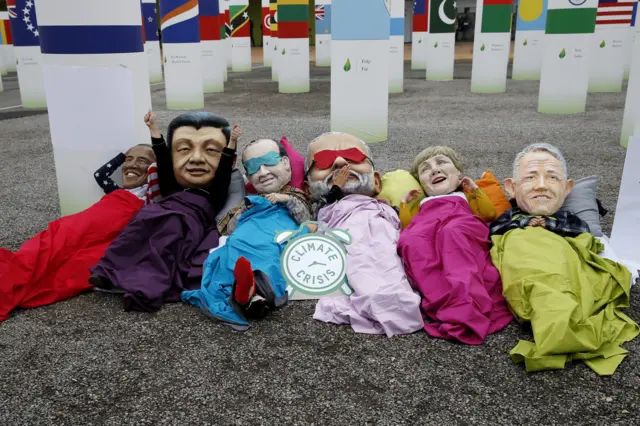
column 510, row 187
column 377, row 183
column 569, row 187
column 287, row 163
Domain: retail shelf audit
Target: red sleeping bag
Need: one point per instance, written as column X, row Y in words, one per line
column 54, row 264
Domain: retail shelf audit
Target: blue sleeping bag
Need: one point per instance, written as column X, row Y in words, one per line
column 253, row 239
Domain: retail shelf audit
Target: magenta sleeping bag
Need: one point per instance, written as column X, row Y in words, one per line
column 297, row 166
column 446, row 256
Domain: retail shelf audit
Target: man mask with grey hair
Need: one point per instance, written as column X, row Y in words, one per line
column 552, row 275
column 341, row 180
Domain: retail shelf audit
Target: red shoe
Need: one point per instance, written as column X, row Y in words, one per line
column 245, row 285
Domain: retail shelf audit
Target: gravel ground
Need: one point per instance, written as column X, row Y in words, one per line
column 85, row 361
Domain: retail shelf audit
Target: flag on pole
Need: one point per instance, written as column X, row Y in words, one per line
column 5, row 32
column 293, row 19
column 442, row 16
column 273, row 8
column 266, row 19
column 615, row 14
column 496, row 16
column 571, row 16
column 209, row 20
column 323, row 19
column 421, row 16
column 532, row 16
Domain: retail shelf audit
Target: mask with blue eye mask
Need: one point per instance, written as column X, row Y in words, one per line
column 269, row 159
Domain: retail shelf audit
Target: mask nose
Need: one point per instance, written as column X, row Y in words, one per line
column 541, row 183
column 339, row 163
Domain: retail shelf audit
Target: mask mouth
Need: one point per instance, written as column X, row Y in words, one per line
column 438, row 180
column 197, row 171
column 130, row 173
column 541, row 196
column 267, row 179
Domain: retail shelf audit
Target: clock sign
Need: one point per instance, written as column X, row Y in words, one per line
column 314, row 263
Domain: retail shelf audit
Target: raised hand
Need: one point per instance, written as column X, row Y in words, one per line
column 340, row 177
column 150, row 121
column 469, row 185
column 277, row 198
column 411, row 195
column 236, row 132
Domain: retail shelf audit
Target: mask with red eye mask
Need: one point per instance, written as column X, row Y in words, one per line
column 325, row 159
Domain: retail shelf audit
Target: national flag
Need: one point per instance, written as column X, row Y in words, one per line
column 634, row 16
column 319, row 12
column 421, row 16
column 293, row 19
column 323, row 25
column 346, row 26
column 5, row 32
column 150, row 21
column 266, row 19
column 571, row 16
column 496, row 16
column 442, row 15
column 532, row 15
column 273, row 9
column 24, row 24
column 239, row 20
column 615, row 14
column 227, row 23
column 221, row 19
column 179, row 21
column 209, row 20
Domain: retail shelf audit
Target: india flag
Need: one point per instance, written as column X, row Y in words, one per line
column 571, row 16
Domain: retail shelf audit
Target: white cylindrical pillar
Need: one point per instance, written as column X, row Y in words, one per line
column 152, row 40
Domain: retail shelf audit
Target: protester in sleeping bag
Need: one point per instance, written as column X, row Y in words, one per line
column 161, row 252
column 383, row 301
column 242, row 280
column 552, row 275
column 54, row 264
column 445, row 250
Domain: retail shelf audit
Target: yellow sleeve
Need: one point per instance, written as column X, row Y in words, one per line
column 481, row 205
column 405, row 215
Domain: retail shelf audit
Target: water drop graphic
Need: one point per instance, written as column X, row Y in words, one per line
column 562, row 54
column 420, row 41
column 603, row 44
column 347, row 65
column 482, row 48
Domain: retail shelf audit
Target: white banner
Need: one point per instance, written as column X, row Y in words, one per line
column 240, row 54
column 606, row 57
column 626, row 232
column 30, row 77
column 183, row 76
column 293, row 76
column 564, row 78
column 441, row 52
column 527, row 55
column 154, row 58
column 632, row 106
column 76, row 96
column 212, row 65
column 419, row 41
column 490, row 60
column 360, row 89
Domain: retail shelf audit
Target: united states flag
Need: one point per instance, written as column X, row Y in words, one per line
column 320, row 12
column 615, row 13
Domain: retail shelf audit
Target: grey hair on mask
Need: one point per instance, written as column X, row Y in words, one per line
column 540, row 147
column 367, row 151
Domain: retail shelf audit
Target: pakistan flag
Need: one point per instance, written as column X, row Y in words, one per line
column 442, row 16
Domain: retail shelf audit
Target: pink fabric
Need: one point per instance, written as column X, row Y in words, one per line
column 383, row 300
column 446, row 255
column 297, row 166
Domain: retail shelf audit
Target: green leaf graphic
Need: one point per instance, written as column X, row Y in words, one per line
column 603, row 44
column 482, row 48
column 284, row 51
column 525, row 43
column 562, row 54
column 419, row 41
column 435, row 44
column 347, row 65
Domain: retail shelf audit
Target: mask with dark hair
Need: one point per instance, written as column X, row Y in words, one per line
column 196, row 141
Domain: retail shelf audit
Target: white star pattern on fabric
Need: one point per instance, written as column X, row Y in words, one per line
column 150, row 19
column 109, row 165
column 97, row 174
column 105, row 182
column 27, row 20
